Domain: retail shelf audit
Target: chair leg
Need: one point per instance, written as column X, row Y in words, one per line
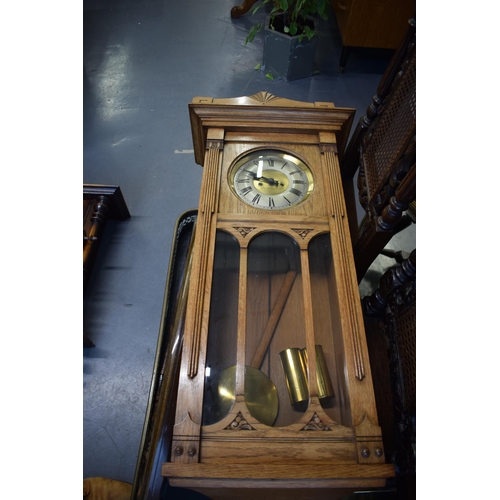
column 239, row 10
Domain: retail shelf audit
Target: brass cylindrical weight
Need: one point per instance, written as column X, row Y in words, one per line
column 295, row 374
column 325, row 387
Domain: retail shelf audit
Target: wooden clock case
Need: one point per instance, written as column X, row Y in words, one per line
column 322, row 449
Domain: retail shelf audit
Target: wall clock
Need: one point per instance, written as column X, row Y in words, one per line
column 271, row 179
column 275, row 390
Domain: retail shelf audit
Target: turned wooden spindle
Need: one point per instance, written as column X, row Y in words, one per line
column 391, row 281
column 404, row 195
column 98, row 220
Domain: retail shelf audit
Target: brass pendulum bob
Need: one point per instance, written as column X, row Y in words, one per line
column 260, row 392
column 261, row 397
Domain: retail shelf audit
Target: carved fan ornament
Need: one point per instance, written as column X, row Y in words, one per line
column 263, row 97
column 315, row 424
column 239, row 423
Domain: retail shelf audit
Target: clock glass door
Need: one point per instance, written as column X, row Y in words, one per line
column 332, row 388
column 270, row 331
column 223, row 325
column 275, row 327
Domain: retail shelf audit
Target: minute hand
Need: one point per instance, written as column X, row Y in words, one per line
column 269, row 180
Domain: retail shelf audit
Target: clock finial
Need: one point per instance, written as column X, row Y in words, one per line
column 263, row 97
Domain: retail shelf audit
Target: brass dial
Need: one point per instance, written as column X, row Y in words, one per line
column 271, row 180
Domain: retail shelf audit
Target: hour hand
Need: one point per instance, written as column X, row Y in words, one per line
column 269, row 180
column 256, row 177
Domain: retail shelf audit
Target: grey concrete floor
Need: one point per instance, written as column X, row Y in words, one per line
column 143, row 63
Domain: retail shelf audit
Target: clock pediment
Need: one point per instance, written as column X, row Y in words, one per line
column 264, row 112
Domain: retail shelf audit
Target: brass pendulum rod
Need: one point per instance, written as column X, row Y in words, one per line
column 278, row 307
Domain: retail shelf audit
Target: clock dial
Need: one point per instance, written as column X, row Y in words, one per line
column 271, row 180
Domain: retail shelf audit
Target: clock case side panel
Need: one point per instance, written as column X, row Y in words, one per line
column 188, row 419
column 359, row 379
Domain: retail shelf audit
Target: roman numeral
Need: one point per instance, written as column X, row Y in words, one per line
column 284, row 165
column 256, row 198
column 295, row 172
column 288, row 201
column 241, row 181
column 270, row 162
column 295, row 191
column 271, row 203
column 244, row 191
column 299, row 182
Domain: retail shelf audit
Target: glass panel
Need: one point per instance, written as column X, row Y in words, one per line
column 327, row 327
column 222, row 330
column 275, row 323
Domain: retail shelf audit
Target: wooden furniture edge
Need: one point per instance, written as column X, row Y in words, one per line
column 118, row 206
column 283, row 471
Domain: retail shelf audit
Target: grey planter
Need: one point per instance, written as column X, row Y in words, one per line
column 285, row 57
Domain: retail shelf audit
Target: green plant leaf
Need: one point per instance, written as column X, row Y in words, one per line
column 294, row 11
column 308, row 32
column 269, row 76
column 253, row 31
column 257, row 67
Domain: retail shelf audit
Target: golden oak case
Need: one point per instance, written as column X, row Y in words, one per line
column 273, row 311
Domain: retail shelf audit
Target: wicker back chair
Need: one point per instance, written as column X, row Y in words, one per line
column 382, row 150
